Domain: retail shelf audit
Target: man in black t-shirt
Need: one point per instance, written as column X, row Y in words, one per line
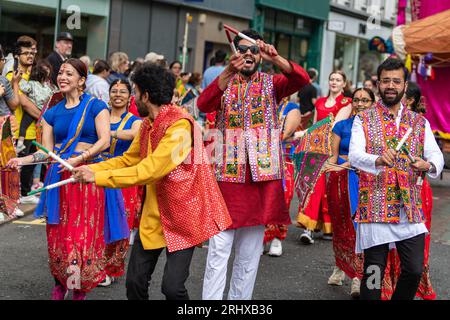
column 308, row 95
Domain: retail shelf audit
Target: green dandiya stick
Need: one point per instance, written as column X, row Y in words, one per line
column 52, row 186
column 54, row 156
column 411, row 158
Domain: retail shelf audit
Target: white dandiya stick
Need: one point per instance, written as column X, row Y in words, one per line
column 54, row 156
column 240, row 34
column 400, row 144
column 52, row 186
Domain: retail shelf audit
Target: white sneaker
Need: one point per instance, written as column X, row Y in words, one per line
column 18, row 212
column 2, row 217
column 356, row 285
column 132, row 236
column 106, row 282
column 275, row 248
column 29, row 200
column 337, row 277
column 327, row 236
column 306, row 237
column 20, row 147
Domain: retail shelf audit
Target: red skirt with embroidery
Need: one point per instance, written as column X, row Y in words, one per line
column 425, row 290
column 116, row 252
column 344, row 235
column 76, row 245
column 255, row 203
column 280, row 230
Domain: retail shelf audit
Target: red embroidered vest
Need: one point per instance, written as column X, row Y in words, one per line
column 192, row 208
column 380, row 195
column 248, row 122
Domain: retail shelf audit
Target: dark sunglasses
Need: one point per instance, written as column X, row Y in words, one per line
column 243, row 49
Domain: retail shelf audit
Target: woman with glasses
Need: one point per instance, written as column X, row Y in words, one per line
column 342, row 197
column 124, row 128
column 314, row 216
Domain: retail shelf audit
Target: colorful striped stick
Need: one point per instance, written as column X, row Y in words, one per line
column 54, row 156
column 52, row 186
column 230, row 40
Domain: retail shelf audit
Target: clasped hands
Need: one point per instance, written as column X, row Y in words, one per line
column 84, row 174
column 389, row 157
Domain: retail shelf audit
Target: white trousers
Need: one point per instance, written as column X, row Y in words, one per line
column 248, row 242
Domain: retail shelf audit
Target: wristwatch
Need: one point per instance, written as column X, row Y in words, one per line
column 432, row 168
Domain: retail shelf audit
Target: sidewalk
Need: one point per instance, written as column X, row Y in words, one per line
column 27, row 210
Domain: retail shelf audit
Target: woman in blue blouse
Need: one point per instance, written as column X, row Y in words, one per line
column 342, row 196
column 77, row 129
column 124, row 128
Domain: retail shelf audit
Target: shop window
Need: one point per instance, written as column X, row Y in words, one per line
column 368, row 62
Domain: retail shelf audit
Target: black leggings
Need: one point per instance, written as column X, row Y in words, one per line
column 27, row 120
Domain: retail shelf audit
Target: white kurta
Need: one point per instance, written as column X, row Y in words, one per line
column 373, row 234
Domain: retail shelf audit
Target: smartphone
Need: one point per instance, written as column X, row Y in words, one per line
column 16, row 64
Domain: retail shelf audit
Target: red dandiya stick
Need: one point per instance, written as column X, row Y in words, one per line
column 230, row 40
column 243, row 36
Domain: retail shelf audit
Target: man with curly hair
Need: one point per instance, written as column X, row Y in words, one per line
column 182, row 204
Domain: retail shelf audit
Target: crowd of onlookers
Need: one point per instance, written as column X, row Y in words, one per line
column 27, row 84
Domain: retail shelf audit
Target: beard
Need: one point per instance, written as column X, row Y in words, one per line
column 250, row 72
column 391, row 101
column 142, row 109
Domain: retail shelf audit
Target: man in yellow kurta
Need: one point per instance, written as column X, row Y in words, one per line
column 183, row 205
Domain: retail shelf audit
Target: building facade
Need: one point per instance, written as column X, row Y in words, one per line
column 350, row 27
column 86, row 20
column 138, row 27
column 295, row 27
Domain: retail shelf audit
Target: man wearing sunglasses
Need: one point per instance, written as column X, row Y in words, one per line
column 249, row 171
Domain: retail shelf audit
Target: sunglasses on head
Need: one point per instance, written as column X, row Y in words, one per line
column 243, row 49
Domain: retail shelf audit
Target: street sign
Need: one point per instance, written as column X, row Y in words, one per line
column 335, row 25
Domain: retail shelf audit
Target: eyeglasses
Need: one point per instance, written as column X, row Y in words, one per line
column 119, row 92
column 387, row 81
column 243, row 49
column 28, row 53
column 363, row 100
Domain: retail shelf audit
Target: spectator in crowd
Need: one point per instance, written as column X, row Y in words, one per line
column 9, row 63
column 96, row 84
column 119, row 64
column 213, row 72
column 153, row 57
column 87, row 61
column 314, row 81
column 25, row 54
column 63, row 50
column 8, row 101
column 308, row 95
column 372, row 86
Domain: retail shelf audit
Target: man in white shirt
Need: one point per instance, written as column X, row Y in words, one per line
column 96, row 84
column 390, row 209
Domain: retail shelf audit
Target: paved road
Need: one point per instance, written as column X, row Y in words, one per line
column 301, row 273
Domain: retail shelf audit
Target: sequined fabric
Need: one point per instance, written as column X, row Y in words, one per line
column 9, row 178
column 249, row 125
column 76, row 245
column 380, row 195
column 191, row 205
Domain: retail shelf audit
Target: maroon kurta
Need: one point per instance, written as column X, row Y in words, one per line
column 256, row 203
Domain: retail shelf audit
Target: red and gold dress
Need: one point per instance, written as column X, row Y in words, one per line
column 9, row 178
column 315, row 215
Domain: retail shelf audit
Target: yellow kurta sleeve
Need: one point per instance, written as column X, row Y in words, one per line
column 129, row 158
column 172, row 150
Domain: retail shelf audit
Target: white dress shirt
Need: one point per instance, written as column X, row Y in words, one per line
column 374, row 234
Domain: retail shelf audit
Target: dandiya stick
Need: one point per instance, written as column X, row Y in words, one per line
column 52, row 186
column 400, row 144
column 338, row 165
column 54, row 156
column 240, row 34
column 230, row 40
